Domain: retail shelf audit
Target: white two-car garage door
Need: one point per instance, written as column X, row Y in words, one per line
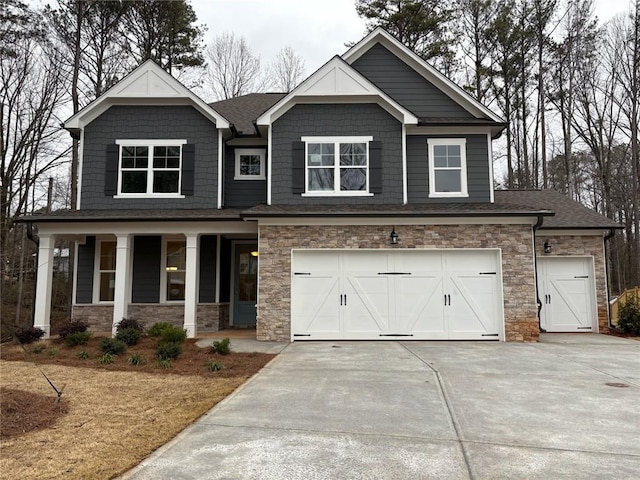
column 393, row 294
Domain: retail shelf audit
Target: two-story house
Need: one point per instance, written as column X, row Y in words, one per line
column 358, row 206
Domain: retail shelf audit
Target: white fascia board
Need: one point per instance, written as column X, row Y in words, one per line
column 148, row 84
column 147, row 228
column 394, row 221
column 337, row 82
column 578, row 232
column 448, row 130
column 454, row 91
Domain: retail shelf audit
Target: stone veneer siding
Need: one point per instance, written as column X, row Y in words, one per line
column 583, row 245
column 515, row 241
column 211, row 317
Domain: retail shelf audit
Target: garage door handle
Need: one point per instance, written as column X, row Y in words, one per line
column 447, row 299
column 340, row 299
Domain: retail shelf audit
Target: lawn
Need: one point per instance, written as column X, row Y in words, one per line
column 110, row 417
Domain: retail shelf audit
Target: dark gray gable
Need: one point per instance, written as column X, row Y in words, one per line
column 405, row 85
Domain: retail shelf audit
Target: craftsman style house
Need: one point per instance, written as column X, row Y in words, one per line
column 358, row 206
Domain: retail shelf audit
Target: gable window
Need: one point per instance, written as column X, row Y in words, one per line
column 250, row 164
column 337, row 165
column 106, row 270
column 175, row 266
column 447, row 167
column 150, row 167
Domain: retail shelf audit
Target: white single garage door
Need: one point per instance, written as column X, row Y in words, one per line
column 567, row 293
column 393, row 294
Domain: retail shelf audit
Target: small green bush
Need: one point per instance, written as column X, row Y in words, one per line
column 629, row 316
column 129, row 335
column 82, row 355
column 168, row 350
column 173, row 334
column 71, row 328
column 214, row 366
column 112, row 346
column 29, row 334
column 53, row 351
column 166, row 363
column 157, row 329
column 41, row 347
column 77, row 338
column 127, row 323
column 136, row 360
column 106, row 358
column 223, row 347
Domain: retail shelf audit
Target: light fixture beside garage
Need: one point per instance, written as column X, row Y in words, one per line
column 393, row 236
column 254, row 253
column 547, row 246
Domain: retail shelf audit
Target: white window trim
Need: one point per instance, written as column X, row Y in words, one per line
column 462, row 143
column 163, row 268
column 336, row 192
column 250, row 151
column 97, row 271
column 150, row 143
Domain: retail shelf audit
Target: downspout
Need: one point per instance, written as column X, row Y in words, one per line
column 535, row 266
column 608, row 236
column 32, row 234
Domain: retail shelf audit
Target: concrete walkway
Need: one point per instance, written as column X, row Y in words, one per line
column 565, row 408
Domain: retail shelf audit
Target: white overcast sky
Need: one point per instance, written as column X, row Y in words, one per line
column 316, row 29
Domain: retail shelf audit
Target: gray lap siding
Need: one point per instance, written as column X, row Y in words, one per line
column 478, row 172
column 336, row 120
column 149, row 122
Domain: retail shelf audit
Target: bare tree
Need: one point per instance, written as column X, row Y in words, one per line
column 287, row 70
column 233, row 69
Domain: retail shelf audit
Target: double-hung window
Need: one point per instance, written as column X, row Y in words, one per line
column 106, row 270
column 447, row 167
column 337, row 165
column 150, row 167
column 175, row 267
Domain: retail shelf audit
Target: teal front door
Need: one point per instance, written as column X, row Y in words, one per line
column 245, row 292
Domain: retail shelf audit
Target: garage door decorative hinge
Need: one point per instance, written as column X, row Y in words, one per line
column 488, row 273
column 396, row 334
column 581, row 276
column 394, row 273
column 302, row 273
column 584, row 328
column 490, row 335
column 301, row 334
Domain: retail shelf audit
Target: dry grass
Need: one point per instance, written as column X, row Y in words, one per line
column 115, row 419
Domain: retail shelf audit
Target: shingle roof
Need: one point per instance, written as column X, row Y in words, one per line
column 209, row 214
column 243, row 111
column 568, row 213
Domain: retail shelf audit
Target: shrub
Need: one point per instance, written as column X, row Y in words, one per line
column 29, row 334
column 173, row 334
column 82, row 355
column 157, row 329
column 77, row 338
column 629, row 316
column 72, row 327
column 136, row 359
column 106, row 358
column 39, row 348
column 112, row 346
column 223, row 347
column 214, row 366
column 127, row 323
column 166, row 363
column 129, row 335
column 168, row 350
column 53, row 351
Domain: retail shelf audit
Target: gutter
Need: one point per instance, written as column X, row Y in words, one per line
column 535, row 267
column 32, row 234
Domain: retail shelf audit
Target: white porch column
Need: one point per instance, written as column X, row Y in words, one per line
column 42, row 313
column 191, row 286
column 122, row 288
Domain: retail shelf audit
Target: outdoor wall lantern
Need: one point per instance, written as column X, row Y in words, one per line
column 393, row 236
column 547, row 246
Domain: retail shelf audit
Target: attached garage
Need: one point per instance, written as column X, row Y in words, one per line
column 436, row 294
column 567, row 293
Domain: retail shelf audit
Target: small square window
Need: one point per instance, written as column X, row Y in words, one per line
column 250, row 164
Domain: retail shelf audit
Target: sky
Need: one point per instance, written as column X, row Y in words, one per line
column 316, row 29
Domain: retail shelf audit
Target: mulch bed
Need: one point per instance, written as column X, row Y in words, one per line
column 192, row 360
column 24, row 412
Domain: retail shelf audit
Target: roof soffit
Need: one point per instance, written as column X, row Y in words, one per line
column 146, row 85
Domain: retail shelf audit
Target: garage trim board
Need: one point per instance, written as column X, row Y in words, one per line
column 391, row 294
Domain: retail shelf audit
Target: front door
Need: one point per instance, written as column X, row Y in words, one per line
column 245, row 285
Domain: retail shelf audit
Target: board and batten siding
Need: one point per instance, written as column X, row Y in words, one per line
column 242, row 193
column 406, row 86
column 84, row 275
column 149, row 122
column 147, row 253
column 335, row 120
column 478, row 172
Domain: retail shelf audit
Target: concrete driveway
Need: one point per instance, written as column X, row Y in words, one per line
column 565, row 408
